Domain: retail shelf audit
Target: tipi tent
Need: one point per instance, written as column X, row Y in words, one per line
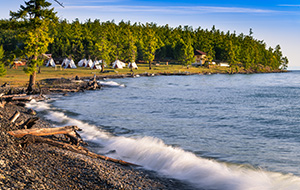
column 71, row 65
column 89, row 63
column 118, row 64
column 65, row 62
column 123, row 64
column 132, row 65
column 50, row 63
column 96, row 65
column 82, row 63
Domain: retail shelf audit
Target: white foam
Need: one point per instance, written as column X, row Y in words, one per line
column 154, row 154
column 111, row 84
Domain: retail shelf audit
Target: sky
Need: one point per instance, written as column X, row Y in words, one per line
column 273, row 21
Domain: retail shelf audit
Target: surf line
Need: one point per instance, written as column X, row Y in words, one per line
column 153, row 154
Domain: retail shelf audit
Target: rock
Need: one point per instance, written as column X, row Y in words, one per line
column 31, row 112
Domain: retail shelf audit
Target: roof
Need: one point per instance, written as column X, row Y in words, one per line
column 198, row 52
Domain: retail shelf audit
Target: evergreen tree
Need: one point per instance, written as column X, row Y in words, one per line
column 149, row 45
column 2, row 66
column 37, row 18
column 187, row 56
column 104, row 51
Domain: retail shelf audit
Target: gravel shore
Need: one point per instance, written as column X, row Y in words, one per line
column 41, row 166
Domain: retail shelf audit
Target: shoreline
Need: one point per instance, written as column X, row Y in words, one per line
column 41, row 166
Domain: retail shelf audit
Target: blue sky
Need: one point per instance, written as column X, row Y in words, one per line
column 274, row 21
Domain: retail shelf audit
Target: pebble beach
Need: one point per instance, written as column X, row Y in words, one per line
column 42, row 166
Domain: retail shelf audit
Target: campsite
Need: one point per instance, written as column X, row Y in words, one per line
column 17, row 77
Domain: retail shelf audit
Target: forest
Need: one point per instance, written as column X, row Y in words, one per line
column 143, row 43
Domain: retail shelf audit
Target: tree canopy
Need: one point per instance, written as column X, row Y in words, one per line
column 147, row 42
column 33, row 31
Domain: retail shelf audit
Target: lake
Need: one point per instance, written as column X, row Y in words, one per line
column 212, row 131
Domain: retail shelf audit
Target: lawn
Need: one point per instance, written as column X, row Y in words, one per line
column 17, row 77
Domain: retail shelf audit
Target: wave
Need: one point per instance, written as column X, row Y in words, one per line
column 153, row 154
column 110, row 84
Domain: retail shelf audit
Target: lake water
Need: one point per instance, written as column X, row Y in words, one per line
column 222, row 132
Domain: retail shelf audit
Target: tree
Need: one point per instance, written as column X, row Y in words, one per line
column 149, row 45
column 185, row 53
column 2, row 67
column 35, row 35
column 104, row 50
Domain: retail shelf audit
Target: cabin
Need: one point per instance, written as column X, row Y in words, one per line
column 200, row 58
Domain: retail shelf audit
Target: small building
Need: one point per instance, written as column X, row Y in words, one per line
column 200, row 58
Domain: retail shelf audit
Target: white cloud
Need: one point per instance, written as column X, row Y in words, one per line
column 174, row 9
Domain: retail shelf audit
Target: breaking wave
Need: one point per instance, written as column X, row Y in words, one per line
column 111, row 84
column 153, row 154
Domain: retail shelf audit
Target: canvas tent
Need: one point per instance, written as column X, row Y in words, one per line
column 118, row 64
column 50, row 63
column 71, row 65
column 65, row 62
column 96, row 65
column 132, row 65
column 82, row 63
column 89, row 63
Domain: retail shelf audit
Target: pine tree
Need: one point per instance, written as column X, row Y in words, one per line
column 2, row 67
column 103, row 47
column 149, row 45
column 35, row 35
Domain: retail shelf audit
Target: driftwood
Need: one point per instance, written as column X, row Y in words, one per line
column 30, row 139
column 30, row 122
column 13, row 95
column 63, row 90
column 68, row 131
column 22, row 97
column 14, row 117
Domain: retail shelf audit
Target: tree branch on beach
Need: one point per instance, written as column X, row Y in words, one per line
column 31, row 136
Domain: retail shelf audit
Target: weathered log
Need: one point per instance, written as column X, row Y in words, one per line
column 44, row 131
column 24, row 99
column 62, row 90
column 13, row 95
column 30, row 139
column 14, row 117
column 69, row 131
column 30, row 122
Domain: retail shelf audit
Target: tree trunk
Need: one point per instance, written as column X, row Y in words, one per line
column 31, row 84
column 45, row 131
column 150, row 65
column 30, row 139
column 102, row 67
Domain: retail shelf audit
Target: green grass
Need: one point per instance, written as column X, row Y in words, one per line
column 17, row 77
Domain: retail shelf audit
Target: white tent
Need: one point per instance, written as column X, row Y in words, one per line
column 132, row 65
column 89, row 63
column 71, row 65
column 118, row 64
column 82, row 63
column 123, row 64
column 50, row 63
column 65, row 62
column 96, row 65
